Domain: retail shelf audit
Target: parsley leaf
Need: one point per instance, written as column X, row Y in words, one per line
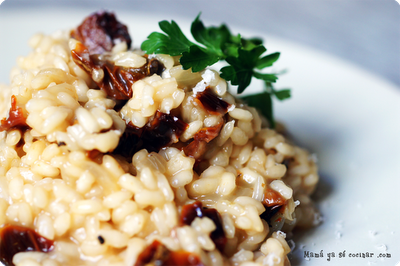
column 282, row 94
column 241, row 67
column 197, row 59
column 214, row 44
column 237, row 75
column 265, row 77
column 174, row 43
column 213, row 38
column 267, row 60
column 245, row 58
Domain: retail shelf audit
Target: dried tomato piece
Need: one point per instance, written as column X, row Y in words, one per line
column 100, row 32
column 156, row 251
column 116, row 81
column 158, row 254
column 81, row 56
column 211, row 102
column 273, row 198
column 191, row 211
column 207, row 134
column 213, row 105
column 15, row 239
column 196, row 149
column 16, row 117
column 273, row 203
column 161, row 131
column 198, row 146
column 270, row 212
column 218, row 235
column 182, row 258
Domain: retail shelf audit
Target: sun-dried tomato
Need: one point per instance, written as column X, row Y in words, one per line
column 273, row 203
column 215, row 106
column 100, row 32
column 15, row 239
column 116, row 81
column 198, row 146
column 161, row 131
column 158, row 254
column 191, row 211
column 211, row 102
column 273, row 198
column 16, row 117
column 207, row 134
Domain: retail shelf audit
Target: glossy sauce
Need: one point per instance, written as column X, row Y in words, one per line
column 15, row 239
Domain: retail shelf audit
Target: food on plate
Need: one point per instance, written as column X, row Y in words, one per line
column 114, row 155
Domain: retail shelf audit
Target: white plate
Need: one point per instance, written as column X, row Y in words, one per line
column 348, row 117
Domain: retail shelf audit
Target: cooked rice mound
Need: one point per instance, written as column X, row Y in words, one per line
column 176, row 171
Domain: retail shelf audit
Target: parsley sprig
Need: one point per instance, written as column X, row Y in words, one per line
column 245, row 57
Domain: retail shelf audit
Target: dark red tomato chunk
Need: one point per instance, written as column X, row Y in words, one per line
column 273, row 203
column 157, row 254
column 161, row 131
column 100, row 32
column 273, row 198
column 15, row 239
column 116, row 81
column 218, row 235
column 213, row 105
column 197, row 147
column 270, row 212
column 207, row 134
column 16, row 117
column 191, row 211
column 211, row 102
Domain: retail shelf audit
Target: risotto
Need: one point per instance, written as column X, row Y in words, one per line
column 109, row 156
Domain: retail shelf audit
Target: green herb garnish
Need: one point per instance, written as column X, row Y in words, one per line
column 245, row 57
column 263, row 101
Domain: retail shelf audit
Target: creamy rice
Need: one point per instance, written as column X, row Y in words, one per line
column 221, row 191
